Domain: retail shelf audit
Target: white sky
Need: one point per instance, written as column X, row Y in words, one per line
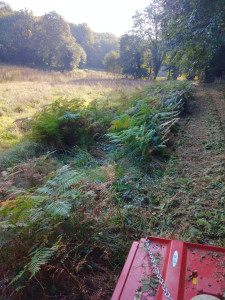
column 113, row 16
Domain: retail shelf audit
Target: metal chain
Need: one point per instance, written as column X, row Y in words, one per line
column 159, row 276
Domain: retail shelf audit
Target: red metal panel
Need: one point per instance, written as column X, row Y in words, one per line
column 141, row 269
column 174, row 270
column 209, row 264
column 123, row 276
column 187, row 269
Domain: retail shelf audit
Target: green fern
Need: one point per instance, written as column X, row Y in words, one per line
column 59, row 208
column 18, row 276
column 122, row 123
column 69, row 116
column 145, row 128
column 137, row 139
column 65, row 178
column 39, row 257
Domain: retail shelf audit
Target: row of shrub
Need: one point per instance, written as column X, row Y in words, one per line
column 140, row 125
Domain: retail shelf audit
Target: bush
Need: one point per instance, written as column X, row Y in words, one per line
column 68, row 123
column 146, row 126
column 141, row 123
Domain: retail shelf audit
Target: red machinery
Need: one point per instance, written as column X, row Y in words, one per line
column 187, row 270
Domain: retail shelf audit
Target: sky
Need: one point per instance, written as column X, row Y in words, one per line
column 113, row 16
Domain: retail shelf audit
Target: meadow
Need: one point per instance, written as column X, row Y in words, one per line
column 24, row 91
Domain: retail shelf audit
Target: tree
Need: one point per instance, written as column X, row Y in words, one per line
column 111, row 62
column 148, row 28
column 55, row 46
column 132, row 59
column 83, row 57
column 83, row 35
column 45, row 42
column 195, row 30
column 5, row 9
column 96, row 45
column 15, row 37
column 104, row 43
column 85, row 38
column 171, row 65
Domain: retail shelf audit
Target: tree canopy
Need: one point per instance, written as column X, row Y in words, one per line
column 50, row 42
column 132, row 58
column 142, row 46
column 187, row 36
column 44, row 42
column 111, row 62
column 96, row 45
column 194, row 31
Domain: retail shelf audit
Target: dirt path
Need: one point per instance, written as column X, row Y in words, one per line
column 193, row 186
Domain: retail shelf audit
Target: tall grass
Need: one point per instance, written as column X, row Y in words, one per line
column 24, row 91
column 79, row 76
column 14, row 73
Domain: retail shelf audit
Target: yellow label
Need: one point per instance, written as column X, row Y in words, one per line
column 194, row 280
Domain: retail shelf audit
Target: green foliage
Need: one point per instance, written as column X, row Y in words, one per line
column 57, row 227
column 44, row 42
column 83, row 158
column 142, row 51
column 72, row 228
column 4, row 9
column 39, row 257
column 122, row 123
column 144, row 125
column 104, row 43
column 132, row 58
column 145, row 129
column 84, row 37
column 68, row 123
column 111, row 62
column 65, row 229
column 185, row 36
column 147, row 27
column 95, row 45
column 49, row 42
column 194, row 35
column 20, row 154
column 51, row 203
column 138, row 139
column 64, row 123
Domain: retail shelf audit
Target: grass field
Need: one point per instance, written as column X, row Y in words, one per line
column 24, row 91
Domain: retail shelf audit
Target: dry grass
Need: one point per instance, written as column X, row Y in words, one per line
column 23, row 91
column 13, row 73
column 77, row 77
